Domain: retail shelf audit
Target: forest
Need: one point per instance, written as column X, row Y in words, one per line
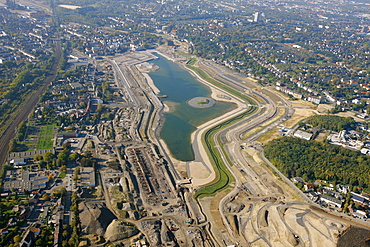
column 331, row 122
column 313, row 160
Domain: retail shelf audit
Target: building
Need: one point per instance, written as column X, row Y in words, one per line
column 76, row 85
column 29, row 154
column 309, row 187
column 315, row 100
column 255, row 17
column 360, row 214
column 342, row 188
column 18, row 162
column 25, row 181
column 303, row 135
column 357, row 198
column 331, row 201
column 313, row 196
column 298, row 180
column 66, row 135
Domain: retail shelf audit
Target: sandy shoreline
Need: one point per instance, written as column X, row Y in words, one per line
column 151, row 83
column 200, row 170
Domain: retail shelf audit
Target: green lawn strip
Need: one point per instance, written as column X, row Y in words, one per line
column 62, row 174
column 223, row 175
column 27, row 143
column 184, row 54
column 192, row 61
column 45, row 137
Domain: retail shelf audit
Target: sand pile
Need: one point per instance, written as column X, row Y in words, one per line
column 95, row 217
column 119, row 230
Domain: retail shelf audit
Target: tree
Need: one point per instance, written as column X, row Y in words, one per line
column 88, row 154
column 73, row 156
column 17, row 238
column 63, row 156
column 48, row 157
column 66, row 146
column 37, row 157
column 13, row 146
column 46, row 197
column 39, row 242
column 345, row 207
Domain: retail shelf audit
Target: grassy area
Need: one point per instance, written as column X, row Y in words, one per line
column 271, row 95
column 184, row 54
column 62, row 174
column 202, row 102
column 223, row 175
column 45, row 137
column 192, row 61
column 27, row 143
column 219, row 84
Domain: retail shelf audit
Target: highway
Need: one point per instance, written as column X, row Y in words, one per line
column 231, row 137
column 251, row 179
column 259, row 183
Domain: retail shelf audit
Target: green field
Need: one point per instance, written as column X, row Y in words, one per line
column 45, row 137
column 224, row 177
column 219, row 84
column 192, row 61
column 62, row 174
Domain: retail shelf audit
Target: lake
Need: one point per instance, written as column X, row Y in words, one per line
column 180, row 86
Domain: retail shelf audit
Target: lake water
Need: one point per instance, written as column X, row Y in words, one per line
column 180, row 86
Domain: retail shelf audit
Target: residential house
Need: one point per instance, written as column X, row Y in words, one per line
column 331, row 201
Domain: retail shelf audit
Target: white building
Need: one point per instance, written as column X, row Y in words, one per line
column 303, row 135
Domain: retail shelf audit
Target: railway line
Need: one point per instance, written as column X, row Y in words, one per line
column 10, row 132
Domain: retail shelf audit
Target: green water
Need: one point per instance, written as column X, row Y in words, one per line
column 180, row 86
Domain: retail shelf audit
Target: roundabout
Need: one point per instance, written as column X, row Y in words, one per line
column 201, row 102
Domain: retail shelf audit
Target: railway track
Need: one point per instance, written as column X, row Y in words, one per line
column 10, row 132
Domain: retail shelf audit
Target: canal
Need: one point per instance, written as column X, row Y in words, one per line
column 181, row 119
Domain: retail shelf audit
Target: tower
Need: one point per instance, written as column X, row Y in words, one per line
column 255, row 17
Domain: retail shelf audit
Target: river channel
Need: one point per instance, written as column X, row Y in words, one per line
column 181, row 119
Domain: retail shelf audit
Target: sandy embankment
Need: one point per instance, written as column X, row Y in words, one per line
column 180, row 166
column 151, row 83
column 67, row 6
column 201, row 170
column 165, row 55
column 152, row 86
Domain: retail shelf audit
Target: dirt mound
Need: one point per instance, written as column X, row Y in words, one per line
column 263, row 218
column 119, row 230
column 153, row 229
column 291, row 238
column 234, row 207
column 95, row 217
column 354, row 237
